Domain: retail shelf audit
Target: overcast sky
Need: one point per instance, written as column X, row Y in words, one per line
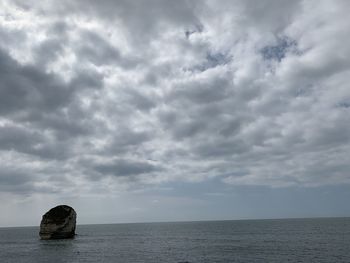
column 163, row 110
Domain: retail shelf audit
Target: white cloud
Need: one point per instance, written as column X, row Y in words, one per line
column 252, row 94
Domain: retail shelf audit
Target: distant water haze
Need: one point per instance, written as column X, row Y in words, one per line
column 188, row 205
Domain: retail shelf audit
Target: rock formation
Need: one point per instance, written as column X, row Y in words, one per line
column 59, row 222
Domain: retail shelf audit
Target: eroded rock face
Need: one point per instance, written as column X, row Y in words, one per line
column 59, row 222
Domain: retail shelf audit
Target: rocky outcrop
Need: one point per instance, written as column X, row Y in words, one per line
column 59, row 222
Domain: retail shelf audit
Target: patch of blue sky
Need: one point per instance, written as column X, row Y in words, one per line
column 279, row 50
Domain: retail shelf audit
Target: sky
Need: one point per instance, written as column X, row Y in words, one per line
column 162, row 110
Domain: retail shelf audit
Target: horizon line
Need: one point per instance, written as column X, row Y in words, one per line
column 193, row 221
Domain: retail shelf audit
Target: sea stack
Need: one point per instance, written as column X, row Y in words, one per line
column 59, row 222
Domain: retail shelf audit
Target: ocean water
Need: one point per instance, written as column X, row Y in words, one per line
column 287, row 240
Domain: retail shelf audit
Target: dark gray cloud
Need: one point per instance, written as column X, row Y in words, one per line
column 127, row 139
column 45, row 107
column 125, row 168
column 139, row 16
column 96, row 50
column 137, row 100
column 27, row 87
column 23, row 179
column 201, row 91
column 18, row 138
column 11, row 37
column 16, row 182
column 266, row 14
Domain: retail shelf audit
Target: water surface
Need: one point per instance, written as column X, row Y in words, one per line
column 287, row 240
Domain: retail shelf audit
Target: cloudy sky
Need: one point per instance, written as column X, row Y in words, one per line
column 164, row 110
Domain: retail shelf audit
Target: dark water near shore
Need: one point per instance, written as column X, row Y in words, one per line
column 287, row 240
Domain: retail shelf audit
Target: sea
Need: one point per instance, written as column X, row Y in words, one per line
column 282, row 240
